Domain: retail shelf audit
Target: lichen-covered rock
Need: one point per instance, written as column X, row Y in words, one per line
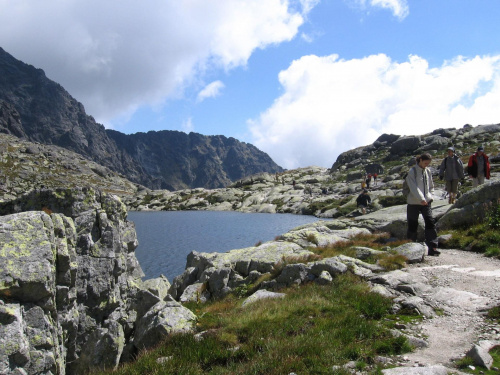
column 413, row 251
column 71, row 295
column 164, row 318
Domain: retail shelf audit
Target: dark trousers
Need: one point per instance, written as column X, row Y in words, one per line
column 412, row 212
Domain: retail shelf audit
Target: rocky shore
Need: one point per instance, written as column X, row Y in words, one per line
column 72, row 297
column 331, row 193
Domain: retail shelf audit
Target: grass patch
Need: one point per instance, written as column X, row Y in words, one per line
column 392, row 261
column 483, row 237
column 375, row 241
column 480, row 238
column 494, row 313
column 312, row 329
column 466, row 364
column 286, row 260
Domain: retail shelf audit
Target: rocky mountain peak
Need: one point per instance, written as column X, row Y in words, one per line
column 39, row 110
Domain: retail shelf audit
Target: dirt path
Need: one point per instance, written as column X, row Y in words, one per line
column 469, row 284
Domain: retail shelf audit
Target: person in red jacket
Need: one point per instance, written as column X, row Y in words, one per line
column 479, row 167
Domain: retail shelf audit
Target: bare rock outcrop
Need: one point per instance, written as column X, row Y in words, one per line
column 71, row 295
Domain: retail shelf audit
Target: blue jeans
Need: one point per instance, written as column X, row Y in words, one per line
column 412, row 212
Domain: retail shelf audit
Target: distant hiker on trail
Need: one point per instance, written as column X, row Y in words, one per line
column 283, row 181
column 478, row 167
column 375, row 179
column 452, row 170
column 421, row 189
column 363, row 200
column 368, row 180
column 293, row 184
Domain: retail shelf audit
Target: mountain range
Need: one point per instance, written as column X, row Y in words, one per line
column 37, row 109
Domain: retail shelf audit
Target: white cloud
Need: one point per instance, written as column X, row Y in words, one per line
column 115, row 56
column 331, row 105
column 399, row 8
column 211, row 90
column 187, row 126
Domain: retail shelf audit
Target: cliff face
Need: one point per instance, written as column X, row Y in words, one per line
column 71, row 295
column 46, row 113
column 37, row 109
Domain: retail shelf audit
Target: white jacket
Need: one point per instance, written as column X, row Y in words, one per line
column 420, row 184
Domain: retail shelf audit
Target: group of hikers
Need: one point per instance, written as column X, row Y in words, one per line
column 367, row 180
column 421, row 190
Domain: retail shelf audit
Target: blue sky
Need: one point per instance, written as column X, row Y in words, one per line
column 303, row 80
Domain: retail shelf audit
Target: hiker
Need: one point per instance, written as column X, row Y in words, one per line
column 452, row 170
column 478, row 167
column 368, row 180
column 421, row 189
column 362, row 200
column 375, row 179
column 363, row 183
column 293, row 184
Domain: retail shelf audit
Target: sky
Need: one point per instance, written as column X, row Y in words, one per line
column 302, row 80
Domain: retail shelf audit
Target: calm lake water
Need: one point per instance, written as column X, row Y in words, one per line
column 167, row 237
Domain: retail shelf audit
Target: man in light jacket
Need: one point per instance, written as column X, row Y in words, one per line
column 452, row 169
column 419, row 180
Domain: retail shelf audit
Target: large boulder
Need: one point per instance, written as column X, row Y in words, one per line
column 405, row 145
column 70, row 285
column 164, row 318
column 385, row 140
column 472, row 206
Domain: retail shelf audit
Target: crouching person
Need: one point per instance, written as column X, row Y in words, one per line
column 420, row 198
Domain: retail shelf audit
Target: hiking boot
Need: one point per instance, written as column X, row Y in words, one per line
column 433, row 253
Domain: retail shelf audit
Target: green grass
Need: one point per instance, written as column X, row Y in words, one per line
column 483, row 237
column 312, row 329
column 464, row 363
column 480, row 238
column 375, row 241
column 494, row 314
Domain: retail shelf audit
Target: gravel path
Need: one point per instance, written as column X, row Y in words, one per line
column 462, row 324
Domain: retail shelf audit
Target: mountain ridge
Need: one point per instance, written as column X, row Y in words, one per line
column 40, row 110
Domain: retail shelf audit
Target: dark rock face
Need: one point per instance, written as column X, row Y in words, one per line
column 193, row 160
column 49, row 115
column 385, row 139
column 37, row 109
column 405, row 145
